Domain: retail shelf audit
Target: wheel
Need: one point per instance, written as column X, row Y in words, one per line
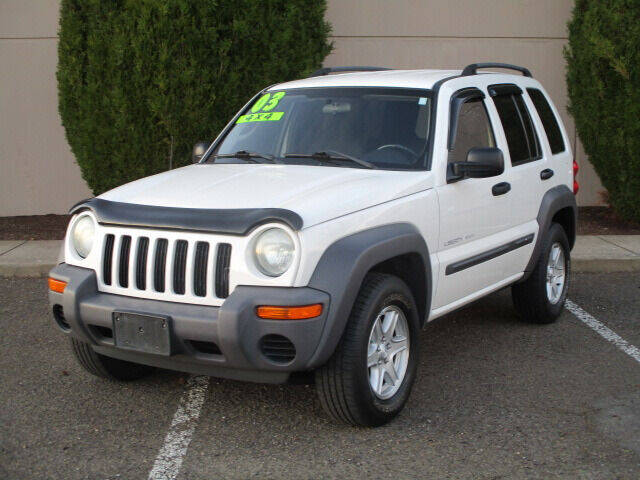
column 540, row 298
column 107, row 367
column 369, row 377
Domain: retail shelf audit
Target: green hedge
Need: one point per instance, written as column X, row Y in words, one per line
column 603, row 78
column 140, row 81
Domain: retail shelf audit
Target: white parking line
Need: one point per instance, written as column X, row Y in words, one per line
column 604, row 331
column 169, row 459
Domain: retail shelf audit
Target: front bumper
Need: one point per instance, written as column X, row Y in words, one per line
column 225, row 341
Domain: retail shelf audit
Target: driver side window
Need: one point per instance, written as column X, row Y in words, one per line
column 473, row 130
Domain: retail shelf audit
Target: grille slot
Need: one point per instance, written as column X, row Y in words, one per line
column 180, row 266
column 222, row 270
column 277, row 348
column 160, row 265
column 141, row 263
column 107, row 261
column 123, row 266
column 200, row 269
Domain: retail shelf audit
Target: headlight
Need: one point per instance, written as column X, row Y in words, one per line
column 82, row 235
column 273, row 251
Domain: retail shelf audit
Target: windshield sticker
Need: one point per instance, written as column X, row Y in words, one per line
column 422, row 101
column 260, row 117
column 261, row 110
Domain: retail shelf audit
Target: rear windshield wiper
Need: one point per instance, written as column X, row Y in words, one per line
column 331, row 156
column 249, row 156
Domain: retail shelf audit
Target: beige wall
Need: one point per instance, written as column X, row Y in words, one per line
column 37, row 171
column 39, row 175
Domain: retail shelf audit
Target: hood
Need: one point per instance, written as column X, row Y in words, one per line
column 315, row 193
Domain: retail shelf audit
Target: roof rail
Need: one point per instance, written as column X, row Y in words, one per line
column 472, row 68
column 328, row 70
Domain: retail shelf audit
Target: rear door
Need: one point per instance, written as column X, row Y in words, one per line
column 531, row 175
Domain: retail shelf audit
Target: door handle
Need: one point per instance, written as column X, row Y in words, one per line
column 546, row 174
column 500, row 188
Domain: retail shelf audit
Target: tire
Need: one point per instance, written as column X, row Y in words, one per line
column 343, row 384
column 107, row 367
column 531, row 298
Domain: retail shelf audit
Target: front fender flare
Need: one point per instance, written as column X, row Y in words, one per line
column 345, row 263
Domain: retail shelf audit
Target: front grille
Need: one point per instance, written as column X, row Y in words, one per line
column 177, row 268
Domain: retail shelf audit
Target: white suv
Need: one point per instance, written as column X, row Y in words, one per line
column 329, row 221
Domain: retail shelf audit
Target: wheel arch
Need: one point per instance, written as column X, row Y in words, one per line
column 343, row 266
column 558, row 205
column 411, row 269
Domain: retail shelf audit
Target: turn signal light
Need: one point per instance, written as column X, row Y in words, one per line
column 57, row 285
column 289, row 313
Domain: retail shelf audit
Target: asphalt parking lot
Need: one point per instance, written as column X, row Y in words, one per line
column 494, row 398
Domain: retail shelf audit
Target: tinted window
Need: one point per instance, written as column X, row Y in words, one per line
column 474, row 130
column 513, row 129
column 549, row 121
column 534, row 144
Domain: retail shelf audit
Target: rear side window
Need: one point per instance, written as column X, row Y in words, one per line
column 522, row 140
column 549, row 121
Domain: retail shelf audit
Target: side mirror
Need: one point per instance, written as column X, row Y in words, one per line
column 481, row 163
column 198, row 151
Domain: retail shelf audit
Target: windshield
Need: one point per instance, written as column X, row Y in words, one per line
column 383, row 127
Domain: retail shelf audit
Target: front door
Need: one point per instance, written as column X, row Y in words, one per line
column 474, row 213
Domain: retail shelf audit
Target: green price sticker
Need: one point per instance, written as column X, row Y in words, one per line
column 262, row 109
column 260, row 117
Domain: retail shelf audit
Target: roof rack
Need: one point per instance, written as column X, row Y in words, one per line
column 472, row 68
column 328, row 70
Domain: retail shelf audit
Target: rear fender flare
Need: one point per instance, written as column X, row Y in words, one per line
column 553, row 201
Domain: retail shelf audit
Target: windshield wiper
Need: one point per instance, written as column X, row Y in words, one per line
column 331, row 156
column 249, row 156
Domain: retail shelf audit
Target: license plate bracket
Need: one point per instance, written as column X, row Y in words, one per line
column 142, row 333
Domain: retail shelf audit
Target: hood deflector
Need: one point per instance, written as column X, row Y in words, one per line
column 233, row 221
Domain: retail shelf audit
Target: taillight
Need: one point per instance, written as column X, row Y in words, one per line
column 576, row 187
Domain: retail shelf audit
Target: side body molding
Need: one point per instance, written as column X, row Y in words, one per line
column 345, row 263
column 556, row 199
column 233, row 221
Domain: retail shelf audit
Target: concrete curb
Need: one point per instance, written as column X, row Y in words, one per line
column 604, row 265
column 33, row 258
column 581, row 265
column 26, row 270
column 591, row 254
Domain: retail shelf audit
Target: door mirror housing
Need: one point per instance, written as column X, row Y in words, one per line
column 481, row 163
column 199, row 150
